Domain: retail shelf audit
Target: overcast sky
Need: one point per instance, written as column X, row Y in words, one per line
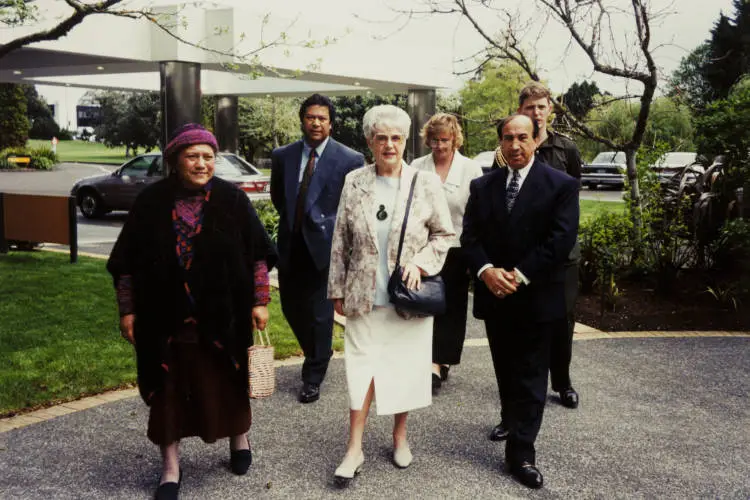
column 372, row 37
column 442, row 40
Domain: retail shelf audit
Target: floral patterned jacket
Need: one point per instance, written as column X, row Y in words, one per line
column 354, row 254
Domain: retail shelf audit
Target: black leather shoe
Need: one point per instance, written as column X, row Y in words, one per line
column 240, row 461
column 444, row 372
column 527, row 474
column 569, row 398
column 168, row 491
column 309, row 393
column 437, row 383
column 499, row 433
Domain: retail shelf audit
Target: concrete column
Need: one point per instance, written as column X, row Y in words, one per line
column 226, row 124
column 180, row 95
column 422, row 104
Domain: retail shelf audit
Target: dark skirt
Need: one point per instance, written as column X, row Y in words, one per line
column 201, row 396
column 449, row 330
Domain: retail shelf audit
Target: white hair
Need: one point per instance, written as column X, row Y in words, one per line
column 386, row 116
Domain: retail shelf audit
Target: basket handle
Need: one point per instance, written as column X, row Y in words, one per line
column 266, row 340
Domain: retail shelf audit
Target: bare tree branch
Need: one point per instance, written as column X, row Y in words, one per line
column 81, row 11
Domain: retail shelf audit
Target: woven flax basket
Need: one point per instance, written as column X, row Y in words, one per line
column 261, row 369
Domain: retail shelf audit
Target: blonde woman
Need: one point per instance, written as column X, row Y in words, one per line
column 442, row 133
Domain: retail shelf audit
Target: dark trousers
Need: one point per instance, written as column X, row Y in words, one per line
column 520, row 356
column 562, row 336
column 303, row 290
column 449, row 329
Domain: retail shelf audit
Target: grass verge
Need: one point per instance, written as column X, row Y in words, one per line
column 59, row 337
column 589, row 208
column 84, row 151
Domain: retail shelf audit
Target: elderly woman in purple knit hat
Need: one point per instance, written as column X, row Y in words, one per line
column 190, row 269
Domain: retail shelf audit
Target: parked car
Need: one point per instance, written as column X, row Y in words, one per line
column 608, row 169
column 97, row 195
column 673, row 163
column 485, row 160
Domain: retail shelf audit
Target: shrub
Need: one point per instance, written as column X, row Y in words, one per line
column 605, row 251
column 732, row 248
column 41, row 158
column 268, row 216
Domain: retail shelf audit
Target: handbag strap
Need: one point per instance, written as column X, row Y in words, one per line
column 406, row 218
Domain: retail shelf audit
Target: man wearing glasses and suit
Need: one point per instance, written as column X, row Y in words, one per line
column 307, row 177
column 519, row 227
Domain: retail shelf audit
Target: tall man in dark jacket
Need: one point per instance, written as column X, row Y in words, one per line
column 557, row 151
column 307, row 177
column 519, row 227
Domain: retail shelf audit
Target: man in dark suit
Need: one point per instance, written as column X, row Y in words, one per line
column 519, row 227
column 307, row 177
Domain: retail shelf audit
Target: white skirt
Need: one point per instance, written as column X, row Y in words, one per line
column 393, row 352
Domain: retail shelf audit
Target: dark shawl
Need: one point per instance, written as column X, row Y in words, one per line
column 221, row 280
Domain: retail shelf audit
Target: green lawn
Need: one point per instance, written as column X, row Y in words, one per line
column 589, row 208
column 59, row 335
column 84, row 151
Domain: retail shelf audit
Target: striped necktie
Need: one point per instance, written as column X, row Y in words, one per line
column 512, row 192
column 299, row 211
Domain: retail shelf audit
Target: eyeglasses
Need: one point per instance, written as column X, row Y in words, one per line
column 382, row 139
column 440, row 140
column 196, row 157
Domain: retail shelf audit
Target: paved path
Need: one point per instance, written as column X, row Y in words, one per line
column 660, row 417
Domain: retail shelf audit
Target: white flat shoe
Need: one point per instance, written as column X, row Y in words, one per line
column 349, row 468
column 402, row 456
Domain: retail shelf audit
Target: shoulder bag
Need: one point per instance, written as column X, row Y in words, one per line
column 429, row 299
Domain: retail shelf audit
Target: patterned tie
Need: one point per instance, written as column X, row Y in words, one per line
column 299, row 211
column 512, row 192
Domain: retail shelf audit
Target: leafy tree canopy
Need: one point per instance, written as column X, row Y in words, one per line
column 489, row 97
column 14, row 124
column 129, row 119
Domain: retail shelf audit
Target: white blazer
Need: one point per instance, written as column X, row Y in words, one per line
column 456, row 186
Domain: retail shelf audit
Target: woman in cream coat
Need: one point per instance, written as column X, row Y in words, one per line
column 387, row 353
column 442, row 133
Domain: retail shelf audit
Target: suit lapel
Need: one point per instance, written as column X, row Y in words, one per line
column 498, row 199
column 527, row 193
column 366, row 193
column 291, row 175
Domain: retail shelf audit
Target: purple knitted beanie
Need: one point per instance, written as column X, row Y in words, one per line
column 189, row 135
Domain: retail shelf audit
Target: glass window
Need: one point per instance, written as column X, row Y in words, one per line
column 138, row 167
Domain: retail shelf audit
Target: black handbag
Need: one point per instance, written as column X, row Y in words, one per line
column 429, row 300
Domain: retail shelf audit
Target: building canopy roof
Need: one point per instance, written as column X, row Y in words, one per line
column 108, row 52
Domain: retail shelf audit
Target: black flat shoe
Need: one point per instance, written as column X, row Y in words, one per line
column 569, row 398
column 169, row 491
column 444, row 372
column 499, row 433
column 309, row 393
column 437, row 383
column 240, row 461
column 527, row 474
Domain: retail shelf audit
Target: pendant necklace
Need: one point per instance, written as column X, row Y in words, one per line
column 382, row 214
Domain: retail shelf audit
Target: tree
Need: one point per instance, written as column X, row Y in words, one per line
column 729, row 56
column 265, row 124
column 669, row 125
column 14, row 124
column 130, row 120
column 43, row 125
column 579, row 98
column 594, row 31
column 347, row 127
column 688, row 84
column 487, row 98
